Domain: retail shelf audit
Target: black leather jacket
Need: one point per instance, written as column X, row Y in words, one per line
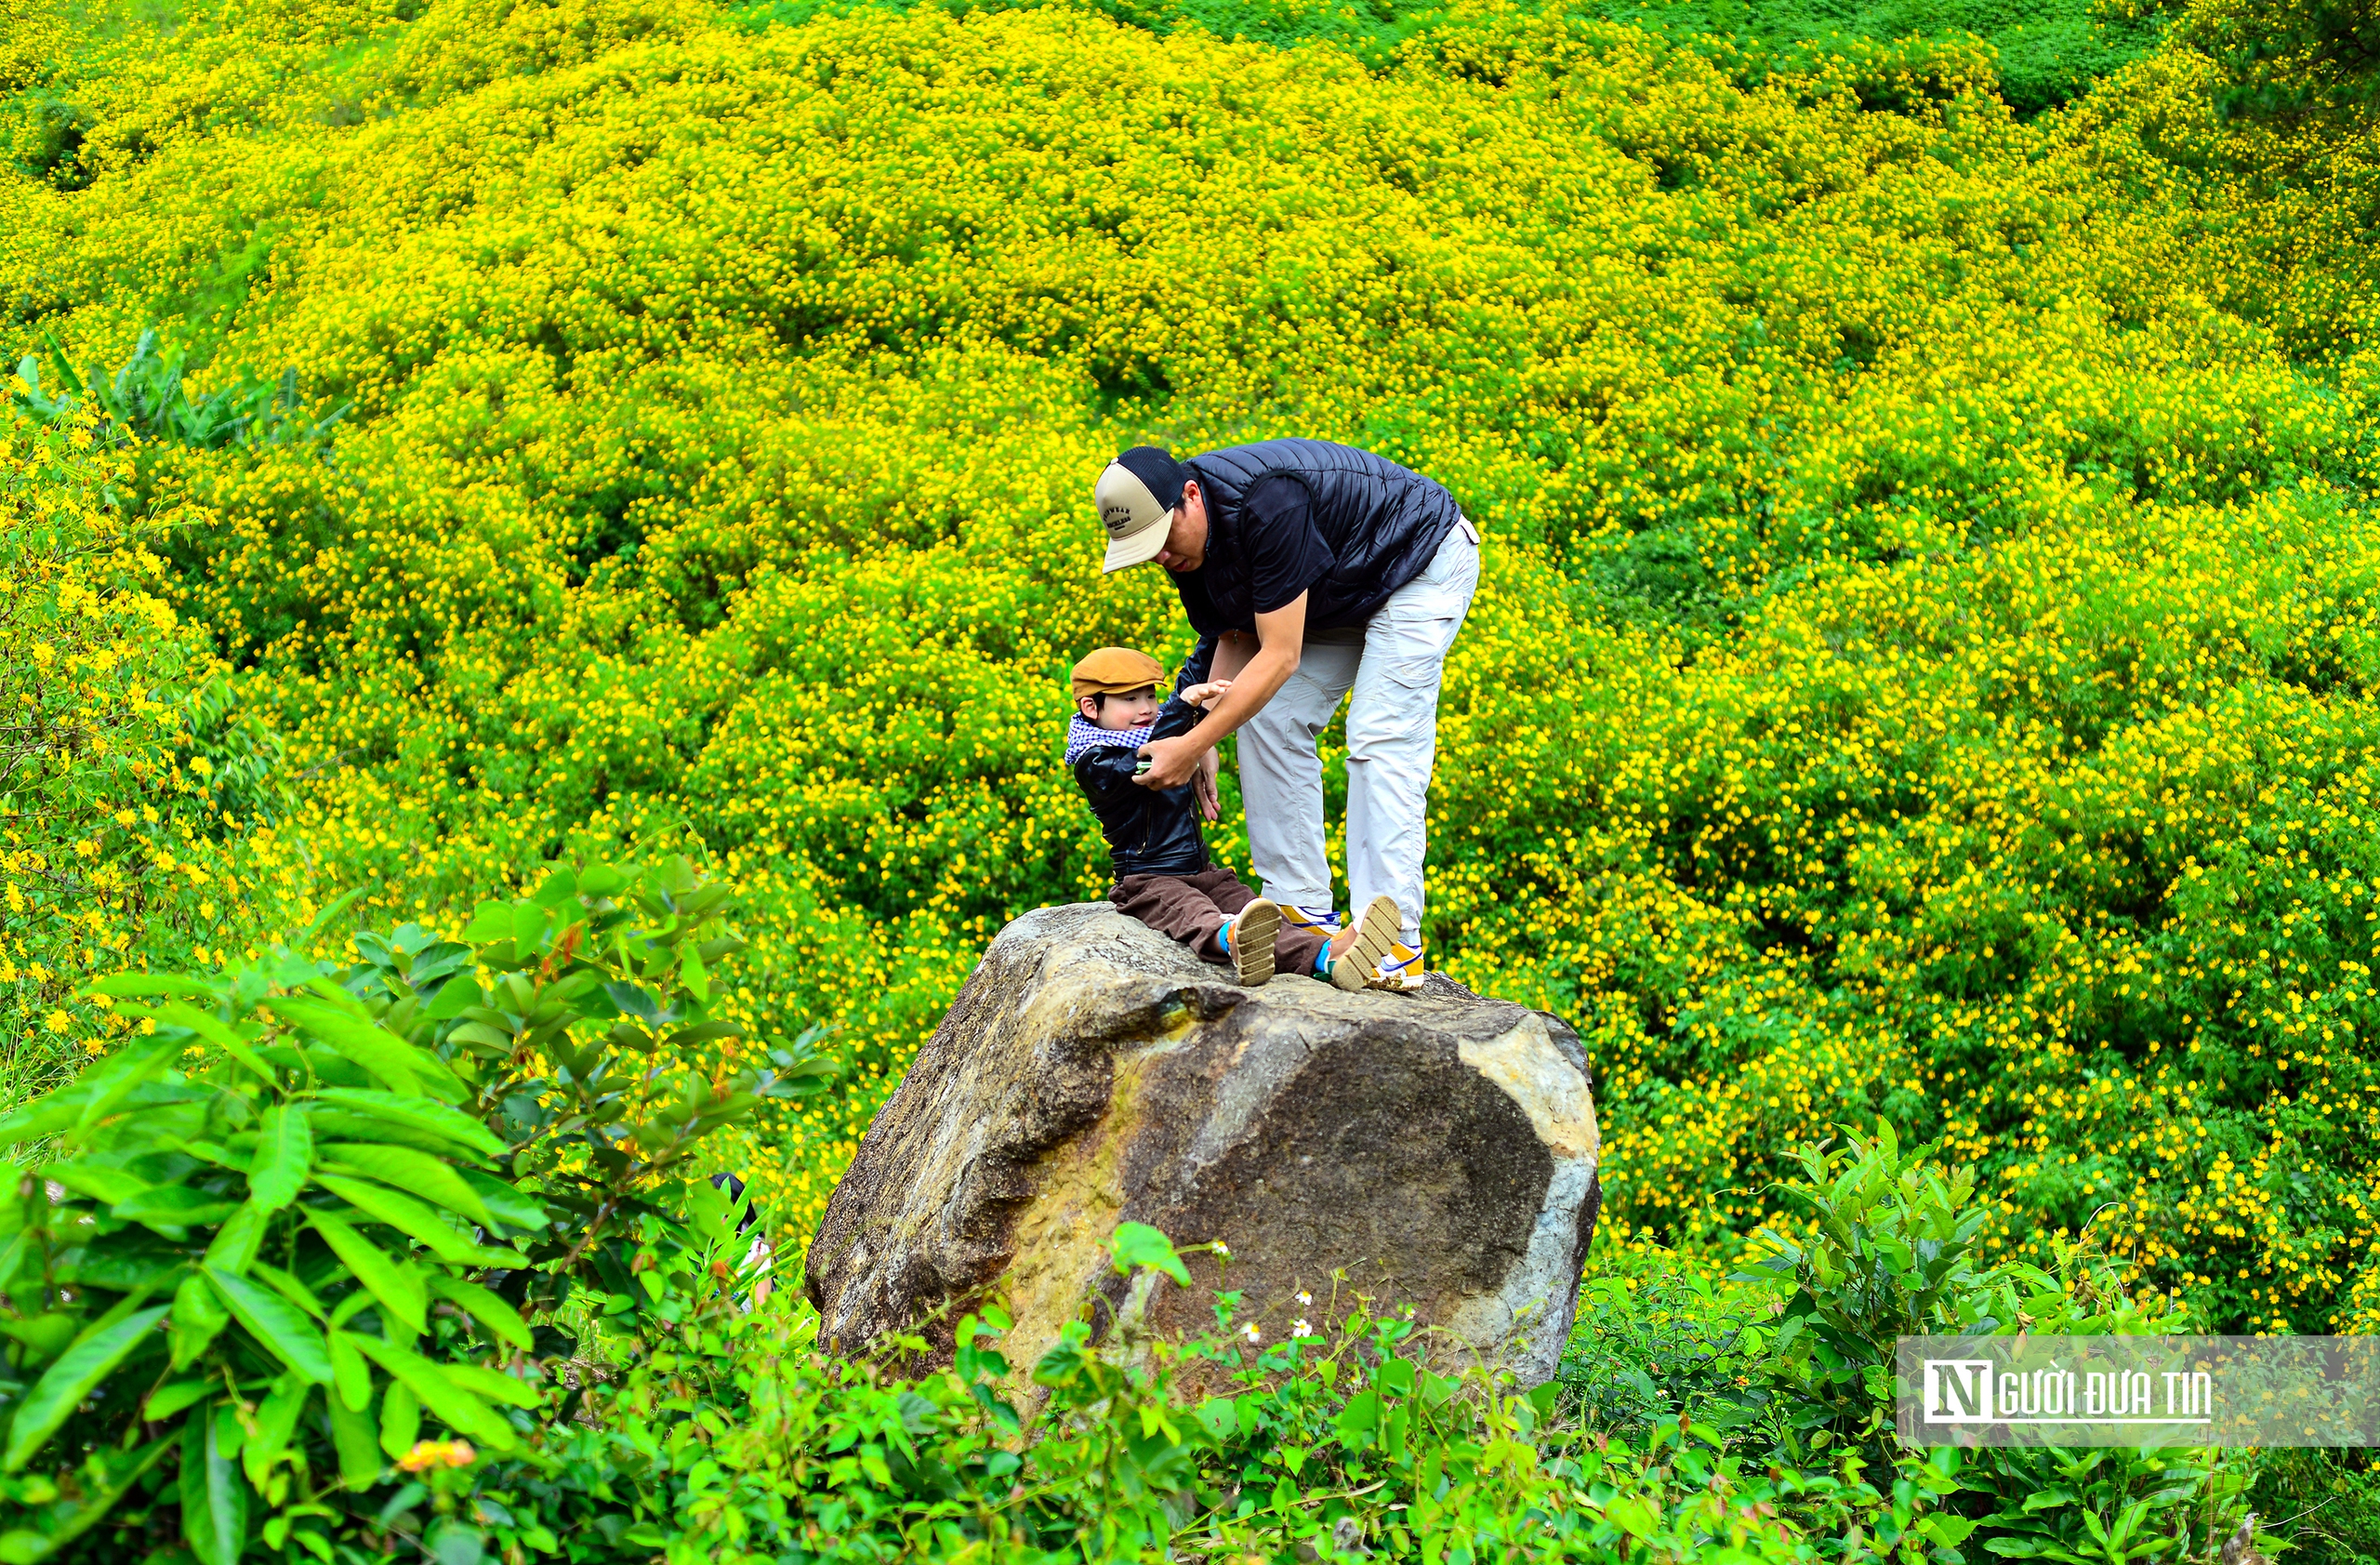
column 1150, row 831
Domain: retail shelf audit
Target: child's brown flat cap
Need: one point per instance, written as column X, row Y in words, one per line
column 1117, row 670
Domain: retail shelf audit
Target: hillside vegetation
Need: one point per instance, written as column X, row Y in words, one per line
column 1923, row 673
column 1922, row 664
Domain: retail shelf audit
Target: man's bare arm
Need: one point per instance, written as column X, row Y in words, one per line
column 1279, row 635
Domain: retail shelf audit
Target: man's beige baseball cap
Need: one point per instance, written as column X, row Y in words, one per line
column 1137, row 495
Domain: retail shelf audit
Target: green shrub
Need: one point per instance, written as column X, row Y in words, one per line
column 308, row 1213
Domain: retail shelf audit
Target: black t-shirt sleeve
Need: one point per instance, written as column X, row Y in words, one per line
column 1287, row 553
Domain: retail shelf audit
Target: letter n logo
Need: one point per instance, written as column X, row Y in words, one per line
column 1957, row 1391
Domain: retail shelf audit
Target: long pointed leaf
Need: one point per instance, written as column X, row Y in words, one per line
column 494, row 1385
column 359, row 1456
column 452, row 1406
column 425, row 1223
column 285, row 1154
column 75, row 1375
column 281, row 1326
column 353, row 1375
column 397, row 1287
column 408, row 1217
column 390, row 1059
column 409, row 1168
column 132, row 1064
column 199, row 1317
column 421, row 1114
column 215, row 1501
column 215, row 1032
column 486, row 1307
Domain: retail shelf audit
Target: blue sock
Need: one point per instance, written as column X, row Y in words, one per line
column 1322, row 961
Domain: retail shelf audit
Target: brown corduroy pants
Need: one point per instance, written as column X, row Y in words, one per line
column 1191, row 908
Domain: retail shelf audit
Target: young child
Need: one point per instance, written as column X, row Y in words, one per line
column 1163, row 877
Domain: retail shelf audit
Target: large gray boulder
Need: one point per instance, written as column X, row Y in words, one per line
column 1438, row 1149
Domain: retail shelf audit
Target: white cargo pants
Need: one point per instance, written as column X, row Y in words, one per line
column 1392, row 743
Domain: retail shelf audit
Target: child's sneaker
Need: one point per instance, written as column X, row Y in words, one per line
column 1250, row 936
column 1400, row 969
column 1358, row 964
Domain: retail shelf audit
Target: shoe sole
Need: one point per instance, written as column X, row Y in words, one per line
column 1253, row 932
column 1375, row 933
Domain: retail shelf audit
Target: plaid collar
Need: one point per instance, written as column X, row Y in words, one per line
column 1084, row 736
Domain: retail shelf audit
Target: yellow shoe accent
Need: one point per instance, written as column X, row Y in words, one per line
column 1400, row 969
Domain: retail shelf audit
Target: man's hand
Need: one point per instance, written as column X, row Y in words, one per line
column 1209, row 797
column 1171, row 762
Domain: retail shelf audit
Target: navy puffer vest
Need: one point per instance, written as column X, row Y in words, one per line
column 1383, row 524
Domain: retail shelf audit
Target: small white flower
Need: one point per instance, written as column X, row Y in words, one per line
column 1222, row 1249
column 1255, row 1333
column 1307, row 1299
column 1299, row 1328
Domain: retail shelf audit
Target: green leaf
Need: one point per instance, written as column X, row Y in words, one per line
column 494, row 1385
column 359, row 1460
column 491, row 921
column 528, row 929
column 75, row 1375
column 1358, row 1418
column 233, row 1248
column 392, row 1061
column 288, row 1286
column 512, row 1207
column 277, row 1324
column 198, row 1319
column 322, row 919
column 276, row 1421
column 1134, row 1245
column 46, row 1335
column 174, row 1207
column 215, row 1503
column 485, row 1307
column 411, row 1170
column 561, row 889
column 108, row 1185
column 114, row 1078
column 449, row 1403
column 455, row 996
column 134, row 984
column 405, row 1214
column 167, row 1400
column 349, row 1372
column 285, row 1154
column 396, row 1285
column 213, row 1030
column 400, row 1420
column 420, row 1114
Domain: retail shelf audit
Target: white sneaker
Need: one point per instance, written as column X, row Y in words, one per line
column 1357, row 966
column 1253, row 929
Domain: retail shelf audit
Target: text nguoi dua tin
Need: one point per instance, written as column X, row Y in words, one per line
column 2138, row 1391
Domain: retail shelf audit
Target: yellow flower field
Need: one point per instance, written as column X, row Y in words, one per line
column 1923, row 667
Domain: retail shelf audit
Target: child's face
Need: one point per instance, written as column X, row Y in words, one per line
column 1135, row 710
